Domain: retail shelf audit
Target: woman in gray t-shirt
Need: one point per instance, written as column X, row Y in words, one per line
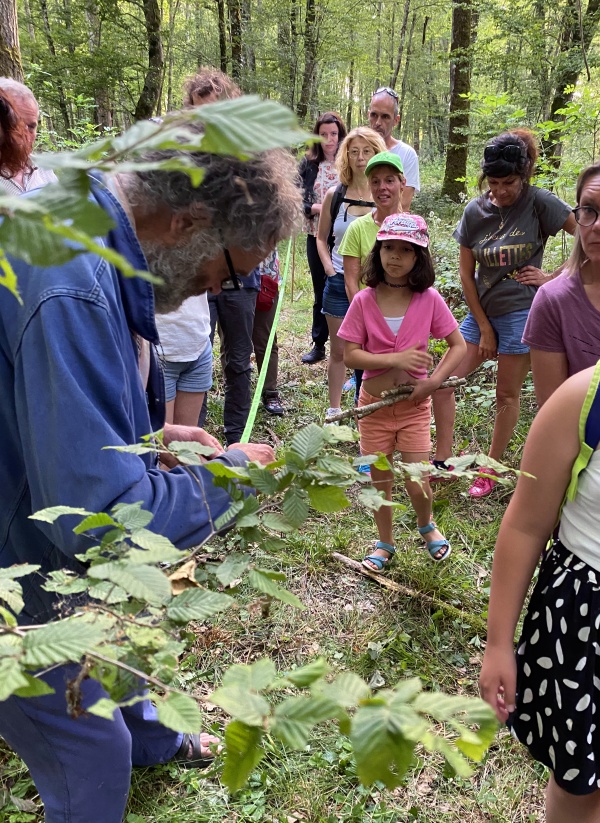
column 502, row 235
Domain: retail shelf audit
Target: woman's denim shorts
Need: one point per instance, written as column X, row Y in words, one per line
column 335, row 300
column 192, row 377
column 509, row 330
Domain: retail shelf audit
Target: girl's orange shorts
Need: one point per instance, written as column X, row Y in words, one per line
column 401, row 427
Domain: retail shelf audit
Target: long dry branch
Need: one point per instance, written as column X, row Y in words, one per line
column 388, row 398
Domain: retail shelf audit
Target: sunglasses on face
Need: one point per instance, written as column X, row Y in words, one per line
column 511, row 153
column 585, row 215
column 387, row 90
column 233, row 283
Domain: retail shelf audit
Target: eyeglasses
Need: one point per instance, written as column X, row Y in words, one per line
column 512, row 153
column 233, row 283
column 354, row 153
column 387, row 90
column 586, row 215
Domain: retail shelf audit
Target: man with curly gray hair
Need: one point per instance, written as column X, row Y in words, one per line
column 82, row 338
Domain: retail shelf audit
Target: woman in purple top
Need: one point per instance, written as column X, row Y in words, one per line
column 563, row 328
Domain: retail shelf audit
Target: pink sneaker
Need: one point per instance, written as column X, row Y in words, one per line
column 482, row 486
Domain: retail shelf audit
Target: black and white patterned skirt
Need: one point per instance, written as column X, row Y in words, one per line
column 558, row 672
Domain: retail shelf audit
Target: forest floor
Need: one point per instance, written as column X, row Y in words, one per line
column 355, row 625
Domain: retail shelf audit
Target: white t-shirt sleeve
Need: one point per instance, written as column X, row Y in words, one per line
column 410, row 161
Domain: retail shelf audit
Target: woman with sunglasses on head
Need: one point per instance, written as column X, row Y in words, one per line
column 563, row 327
column 318, row 174
column 502, row 235
column 343, row 204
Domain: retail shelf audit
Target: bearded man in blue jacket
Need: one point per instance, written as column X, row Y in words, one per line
column 78, row 372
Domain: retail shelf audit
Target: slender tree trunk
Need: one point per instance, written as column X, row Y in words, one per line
column 62, row 100
column 148, row 99
column 396, row 71
column 102, row 110
column 222, row 35
column 235, row 27
column 10, row 52
column 460, row 86
column 378, row 50
column 406, row 67
column 570, row 65
column 293, row 51
column 310, row 58
column 350, row 95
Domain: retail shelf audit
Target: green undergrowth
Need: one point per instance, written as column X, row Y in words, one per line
column 437, row 633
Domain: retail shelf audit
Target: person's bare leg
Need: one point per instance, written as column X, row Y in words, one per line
column 383, row 481
column 170, row 411
column 512, row 371
column 444, row 405
column 336, row 370
column 422, row 499
column 562, row 807
column 187, row 405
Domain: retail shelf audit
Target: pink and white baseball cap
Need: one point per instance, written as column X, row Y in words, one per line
column 410, row 227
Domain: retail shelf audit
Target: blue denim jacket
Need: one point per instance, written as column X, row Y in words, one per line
column 70, row 385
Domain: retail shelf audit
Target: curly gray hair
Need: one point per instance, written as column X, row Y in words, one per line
column 251, row 203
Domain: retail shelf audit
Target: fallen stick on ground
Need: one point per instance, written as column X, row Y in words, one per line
column 473, row 620
column 388, row 398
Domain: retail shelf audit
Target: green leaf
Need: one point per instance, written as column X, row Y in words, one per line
column 52, row 513
column 340, row 434
column 94, row 521
column 8, row 278
column 66, row 640
column 327, row 499
column 243, row 753
column 348, row 689
column 157, row 548
column 222, row 470
column 305, row 675
column 294, row 718
column 197, row 604
column 256, row 676
column 145, row 583
column 36, row 687
column 241, row 704
column 104, row 707
column 295, row 506
column 262, row 480
column 263, row 583
column 232, row 568
column 180, row 713
column 308, row 442
column 18, row 570
column 11, row 593
column 108, row 592
column 278, row 523
column 65, row 582
column 381, row 751
column 11, row 677
column 231, row 513
column 132, row 516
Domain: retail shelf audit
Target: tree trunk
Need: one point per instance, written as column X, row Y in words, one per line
column 396, row 71
column 10, row 52
column 148, row 99
column 222, row 36
column 235, row 28
column 310, row 58
column 350, row 95
column 570, row 64
column 460, row 86
column 293, row 51
column 102, row 110
column 378, row 49
column 62, row 100
column 406, row 67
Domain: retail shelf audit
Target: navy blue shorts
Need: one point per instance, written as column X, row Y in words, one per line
column 335, row 299
column 509, row 330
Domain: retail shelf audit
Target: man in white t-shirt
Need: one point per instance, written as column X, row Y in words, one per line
column 383, row 117
column 26, row 107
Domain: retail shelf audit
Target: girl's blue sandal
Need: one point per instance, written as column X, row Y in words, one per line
column 377, row 560
column 434, row 546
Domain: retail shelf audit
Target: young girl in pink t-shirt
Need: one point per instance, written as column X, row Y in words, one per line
column 386, row 330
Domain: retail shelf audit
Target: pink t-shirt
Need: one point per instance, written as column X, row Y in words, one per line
column 427, row 316
column 562, row 319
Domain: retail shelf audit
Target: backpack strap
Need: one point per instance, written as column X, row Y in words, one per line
column 589, row 432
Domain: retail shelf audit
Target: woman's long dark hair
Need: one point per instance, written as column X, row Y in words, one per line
column 523, row 168
column 420, row 278
column 315, row 153
column 14, row 146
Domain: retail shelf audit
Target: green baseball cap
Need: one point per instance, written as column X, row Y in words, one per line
column 384, row 158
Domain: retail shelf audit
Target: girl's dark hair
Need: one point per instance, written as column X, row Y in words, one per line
column 14, row 145
column 420, row 278
column 524, row 166
column 315, row 153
